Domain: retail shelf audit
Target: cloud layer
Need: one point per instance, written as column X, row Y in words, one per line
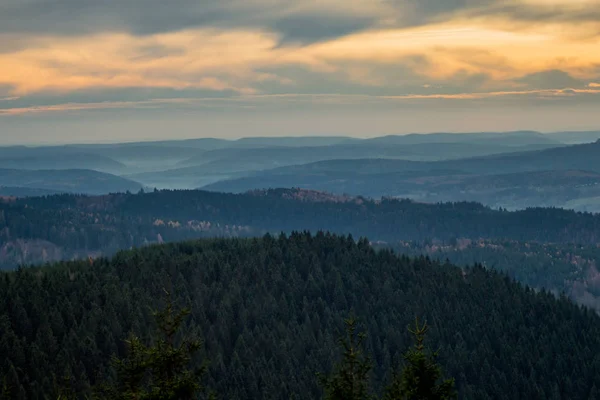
column 81, row 55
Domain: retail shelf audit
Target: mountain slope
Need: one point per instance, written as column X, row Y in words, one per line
column 269, row 311
column 515, row 180
column 37, row 230
column 215, row 165
column 569, row 188
column 59, row 157
column 510, row 139
column 575, row 157
column 269, row 157
column 15, row 191
column 575, row 137
column 68, row 180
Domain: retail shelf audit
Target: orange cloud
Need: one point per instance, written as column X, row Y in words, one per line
column 235, row 59
column 474, row 48
column 175, row 60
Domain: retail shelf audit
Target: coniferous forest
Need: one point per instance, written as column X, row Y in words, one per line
column 546, row 248
column 268, row 313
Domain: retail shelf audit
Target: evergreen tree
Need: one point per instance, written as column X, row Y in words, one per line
column 169, row 362
column 350, row 379
column 131, row 373
column 161, row 371
column 421, row 378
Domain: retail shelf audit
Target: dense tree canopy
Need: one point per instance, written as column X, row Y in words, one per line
column 269, row 311
column 34, row 230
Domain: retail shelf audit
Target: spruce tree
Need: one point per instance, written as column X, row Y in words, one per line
column 161, row 371
column 421, row 378
column 350, row 378
column 172, row 379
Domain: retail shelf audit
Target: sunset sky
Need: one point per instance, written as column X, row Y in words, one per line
column 106, row 70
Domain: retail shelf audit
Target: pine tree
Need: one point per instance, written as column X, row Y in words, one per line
column 350, row 378
column 421, row 378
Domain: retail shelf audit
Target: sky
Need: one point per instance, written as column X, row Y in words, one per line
column 122, row 70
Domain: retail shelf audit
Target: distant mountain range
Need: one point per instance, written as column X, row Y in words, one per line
column 222, row 164
column 235, row 161
column 565, row 176
column 414, row 165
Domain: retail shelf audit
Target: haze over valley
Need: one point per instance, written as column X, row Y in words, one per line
column 513, row 170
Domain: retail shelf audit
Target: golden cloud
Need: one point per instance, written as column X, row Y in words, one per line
column 217, row 59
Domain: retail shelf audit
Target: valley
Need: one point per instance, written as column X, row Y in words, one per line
column 512, row 170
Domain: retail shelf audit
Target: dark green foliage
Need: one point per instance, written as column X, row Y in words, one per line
column 160, row 371
column 168, row 361
column 268, row 312
column 34, row 230
column 560, row 268
column 131, row 372
column 421, row 376
column 350, row 378
column 420, row 379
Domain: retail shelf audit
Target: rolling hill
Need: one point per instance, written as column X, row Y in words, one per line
column 66, row 181
column 176, row 215
column 271, row 157
column 563, row 176
column 60, row 157
column 574, row 189
column 215, row 165
column 561, row 245
column 15, row 191
column 577, row 137
column 508, row 139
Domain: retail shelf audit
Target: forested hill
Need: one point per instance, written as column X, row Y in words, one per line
column 269, row 312
column 65, row 226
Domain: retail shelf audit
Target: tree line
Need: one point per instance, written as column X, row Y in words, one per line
column 50, row 228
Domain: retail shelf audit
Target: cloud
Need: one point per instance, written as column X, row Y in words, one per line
column 295, row 100
column 79, row 55
column 309, row 28
column 551, row 79
column 293, row 20
column 544, row 10
column 452, row 58
column 206, row 59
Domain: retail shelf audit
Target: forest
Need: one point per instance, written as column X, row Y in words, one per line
column 269, row 311
column 50, row 228
column 541, row 247
column 561, row 268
